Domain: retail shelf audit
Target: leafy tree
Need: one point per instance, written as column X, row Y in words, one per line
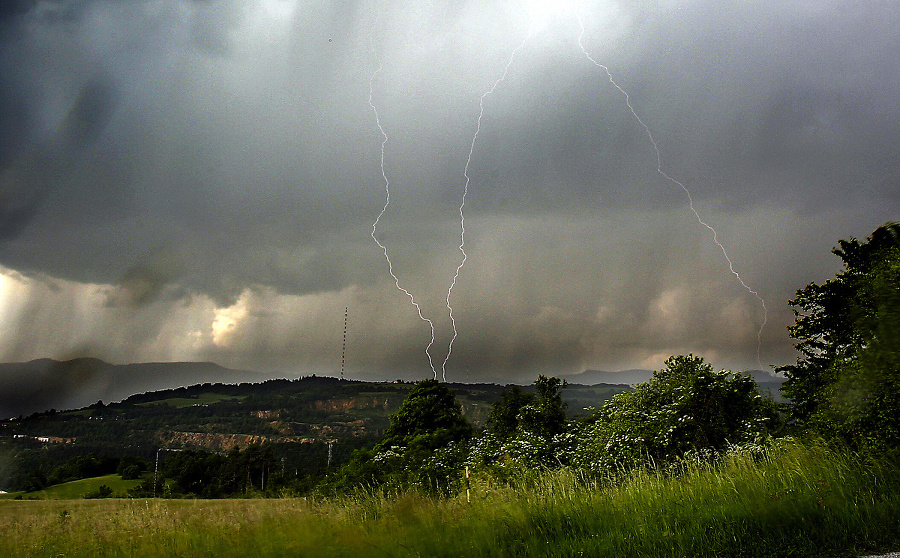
column 34, row 481
column 131, row 467
column 430, row 416
column 360, row 470
column 423, row 448
column 547, row 415
column 686, row 406
column 542, row 413
column 504, row 417
column 247, row 470
column 195, row 472
column 845, row 381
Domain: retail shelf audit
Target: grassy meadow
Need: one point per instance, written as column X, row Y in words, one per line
column 206, row 398
column 79, row 488
column 794, row 500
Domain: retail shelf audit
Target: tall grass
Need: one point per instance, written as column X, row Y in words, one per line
column 794, row 500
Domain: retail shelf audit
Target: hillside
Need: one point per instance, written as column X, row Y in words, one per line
column 311, row 421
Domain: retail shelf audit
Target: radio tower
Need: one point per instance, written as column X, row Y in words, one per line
column 343, row 346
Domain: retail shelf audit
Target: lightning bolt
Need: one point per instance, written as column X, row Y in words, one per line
column 387, row 202
column 462, row 205
column 715, row 235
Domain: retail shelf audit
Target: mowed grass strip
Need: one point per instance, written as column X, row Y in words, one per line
column 795, row 501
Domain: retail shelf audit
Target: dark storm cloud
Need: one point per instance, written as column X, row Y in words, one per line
column 13, row 125
column 196, row 156
column 201, row 176
column 13, row 8
column 90, row 113
column 25, row 186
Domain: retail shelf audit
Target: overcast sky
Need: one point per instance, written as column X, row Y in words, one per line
column 198, row 179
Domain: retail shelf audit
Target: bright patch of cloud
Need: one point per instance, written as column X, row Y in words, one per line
column 228, row 320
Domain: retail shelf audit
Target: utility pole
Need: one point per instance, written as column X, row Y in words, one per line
column 156, row 473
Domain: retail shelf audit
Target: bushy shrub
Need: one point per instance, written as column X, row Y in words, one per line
column 102, row 491
column 686, row 406
column 525, row 429
column 131, row 468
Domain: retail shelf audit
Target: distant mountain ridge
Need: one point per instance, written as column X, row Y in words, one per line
column 638, row 376
column 592, row 377
column 41, row 384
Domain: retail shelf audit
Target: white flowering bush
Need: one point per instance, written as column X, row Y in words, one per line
column 486, row 449
column 525, row 430
column 686, row 409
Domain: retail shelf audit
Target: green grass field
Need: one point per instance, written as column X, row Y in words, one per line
column 205, row 398
column 78, row 489
column 794, row 501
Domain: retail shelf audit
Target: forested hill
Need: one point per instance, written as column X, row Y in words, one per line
column 300, row 410
column 302, row 417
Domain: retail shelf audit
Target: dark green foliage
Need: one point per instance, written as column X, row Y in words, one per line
column 360, row 471
column 425, row 445
column 83, row 467
column 131, row 467
column 28, row 464
column 195, row 472
column 845, row 381
column 546, row 416
column 288, row 414
column 297, row 418
column 254, row 469
column 542, row 413
column 35, row 480
column 102, row 491
column 146, row 488
column 711, row 407
column 504, row 417
column 430, row 416
column 423, row 448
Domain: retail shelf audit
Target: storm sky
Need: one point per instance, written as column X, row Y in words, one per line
column 198, row 179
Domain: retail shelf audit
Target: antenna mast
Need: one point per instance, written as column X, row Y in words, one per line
column 344, row 344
